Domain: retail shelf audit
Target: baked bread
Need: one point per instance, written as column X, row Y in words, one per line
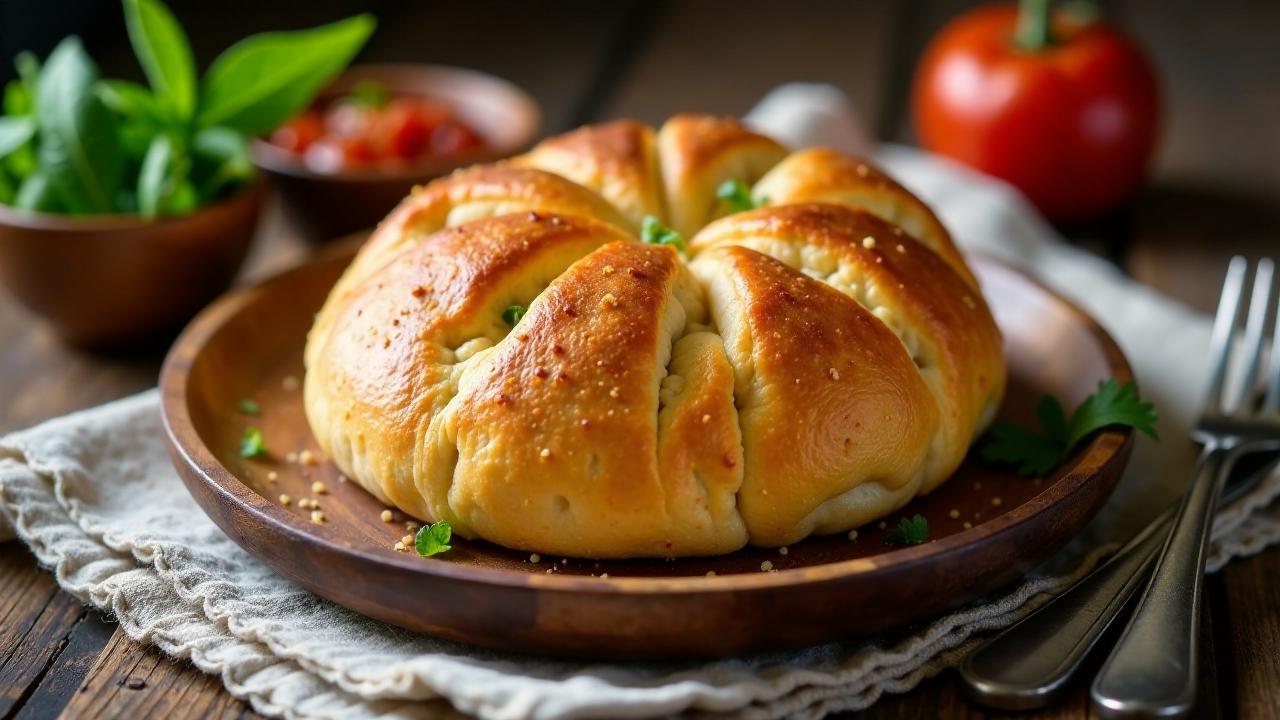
column 804, row 367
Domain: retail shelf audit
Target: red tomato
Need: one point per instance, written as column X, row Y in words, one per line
column 1072, row 124
column 404, row 128
column 298, row 134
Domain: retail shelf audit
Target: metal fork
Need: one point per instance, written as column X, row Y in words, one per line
column 1152, row 672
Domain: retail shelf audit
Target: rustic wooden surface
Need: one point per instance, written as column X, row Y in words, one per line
column 1216, row 192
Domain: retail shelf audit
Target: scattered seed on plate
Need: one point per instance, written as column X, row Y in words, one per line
column 289, row 383
column 766, row 566
column 319, row 488
column 306, row 457
column 407, row 539
column 535, row 558
column 317, row 517
column 273, row 476
column 997, row 501
column 968, row 525
column 285, row 499
column 291, row 457
column 853, row 534
column 954, row 514
column 399, row 546
column 783, row 550
column 387, row 516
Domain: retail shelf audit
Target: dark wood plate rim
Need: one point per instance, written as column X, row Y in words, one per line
column 187, row 448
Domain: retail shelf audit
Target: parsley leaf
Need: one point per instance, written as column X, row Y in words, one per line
column 248, row 406
column 652, row 231
column 433, row 539
column 512, row 315
column 738, row 196
column 910, row 531
column 1036, row 452
column 251, row 443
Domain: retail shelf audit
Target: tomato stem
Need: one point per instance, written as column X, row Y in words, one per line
column 1033, row 32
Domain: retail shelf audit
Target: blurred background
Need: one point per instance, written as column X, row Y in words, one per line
column 1216, row 176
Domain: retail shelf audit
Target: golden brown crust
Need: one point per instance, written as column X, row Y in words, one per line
column 944, row 324
column 806, row 368
column 826, row 176
column 698, row 153
column 618, row 159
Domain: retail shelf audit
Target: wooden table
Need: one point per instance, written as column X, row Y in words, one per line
column 1216, row 192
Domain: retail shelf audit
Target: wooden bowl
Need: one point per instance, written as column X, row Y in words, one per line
column 107, row 280
column 328, row 205
column 988, row 527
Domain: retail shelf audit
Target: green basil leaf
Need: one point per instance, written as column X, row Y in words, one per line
column 28, row 68
column 164, row 169
column 79, row 151
column 131, row 100
column 264, row 79
column 14, row 133
column 165, row 55
column 7, row 190
column 17, row 100
column 222, row 161
column 36, row 194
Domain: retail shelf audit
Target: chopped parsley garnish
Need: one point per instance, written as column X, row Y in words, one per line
column 738, row 196
column 652, row 231
column 248, row 407
column 512, row 315
column 1036, row 452
column 433, row 539
column 251, row 443
column 910, row 531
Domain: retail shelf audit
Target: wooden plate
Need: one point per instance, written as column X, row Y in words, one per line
column 987, row 526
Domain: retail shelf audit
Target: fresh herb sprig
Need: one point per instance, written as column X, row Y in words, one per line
column 1036, row 452
column 433, row 539
column 909, row 531
column 738, row 197
column 73, row 143
column 652, row 231
column 252, row 444
column 513, row 313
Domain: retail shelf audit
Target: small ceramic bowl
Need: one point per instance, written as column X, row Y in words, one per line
column 330, row 205
column 109, row 280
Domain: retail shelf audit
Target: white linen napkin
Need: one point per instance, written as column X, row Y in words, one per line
column 95, row 497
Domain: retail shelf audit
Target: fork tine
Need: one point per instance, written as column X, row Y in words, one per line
column 1254, row 330
column 1223, row 330
column 1271, row 402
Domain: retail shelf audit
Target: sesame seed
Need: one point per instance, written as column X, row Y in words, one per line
column 545, row 453
column 783, row 550
column 853, row 534
column 862, row 170
column 706, row 419
column 291, row 457
column 285, row 499
column 868, row 242
column 608, row 269
column 407, row 539
column 613, row 393
column 319, row 488
column 968, row 525
column 317, row 517
column 289, row 383
column 604, row 576
column 564, row 561
column 766, row 566
column 387, row 516
column 399, row 546
column 273, row 476
column 535, row 558
column 306, row 457
column 954, row 514
column 997, row 501
column 833, row 373
column 902, row 249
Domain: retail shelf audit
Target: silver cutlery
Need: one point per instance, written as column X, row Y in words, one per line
column 1031, row 663
column 1153, row 669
